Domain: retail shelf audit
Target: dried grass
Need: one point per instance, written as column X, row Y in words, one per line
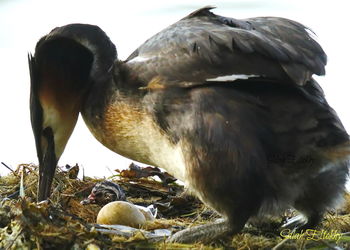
column 67, row 224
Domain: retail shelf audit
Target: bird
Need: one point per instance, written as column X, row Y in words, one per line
column 228, row 106
column 105, row 192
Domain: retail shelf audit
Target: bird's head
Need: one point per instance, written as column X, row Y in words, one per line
column 104, row 193
column 66, row 63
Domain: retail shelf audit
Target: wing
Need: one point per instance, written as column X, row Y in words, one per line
column 204, row 46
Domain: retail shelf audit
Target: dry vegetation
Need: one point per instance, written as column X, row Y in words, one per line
column 64, row 223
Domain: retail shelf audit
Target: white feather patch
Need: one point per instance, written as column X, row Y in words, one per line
column 228, row 78
column 140, row 59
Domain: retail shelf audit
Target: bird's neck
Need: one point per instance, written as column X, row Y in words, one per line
column 112, row 110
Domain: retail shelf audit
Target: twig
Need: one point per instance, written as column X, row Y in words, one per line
column 280, row 244
column 13, row 241
column 329, row 245
column 37, row 243
column 17, row 192
column 21, row 186
column 9, row 168
column 29, row 168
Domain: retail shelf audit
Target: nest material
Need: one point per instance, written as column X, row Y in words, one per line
column 65, row 223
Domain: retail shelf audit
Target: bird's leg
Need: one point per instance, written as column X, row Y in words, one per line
column 203, row 233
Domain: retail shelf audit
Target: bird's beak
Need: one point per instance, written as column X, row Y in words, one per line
column 57, row 71
column 47, row 164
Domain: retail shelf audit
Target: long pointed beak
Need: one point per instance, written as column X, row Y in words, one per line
column 47, row 166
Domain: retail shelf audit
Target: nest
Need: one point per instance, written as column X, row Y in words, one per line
column 65, row 223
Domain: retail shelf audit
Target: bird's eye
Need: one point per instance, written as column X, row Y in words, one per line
column 98, row 194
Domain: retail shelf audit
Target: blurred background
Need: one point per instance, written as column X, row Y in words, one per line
column 129, row 24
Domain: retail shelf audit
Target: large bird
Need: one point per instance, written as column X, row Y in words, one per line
column 227, row 106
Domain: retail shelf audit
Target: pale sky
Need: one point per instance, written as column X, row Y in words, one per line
column 128, row 24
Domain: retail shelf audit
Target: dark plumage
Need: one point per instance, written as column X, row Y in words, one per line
column 105, row 192
column 210, row 45
column 228, row 106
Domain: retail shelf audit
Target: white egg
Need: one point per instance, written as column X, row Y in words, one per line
column 121, row 213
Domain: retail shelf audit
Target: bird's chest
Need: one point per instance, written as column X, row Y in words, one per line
column 132, row 132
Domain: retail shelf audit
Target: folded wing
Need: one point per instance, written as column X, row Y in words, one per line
column 204, row 46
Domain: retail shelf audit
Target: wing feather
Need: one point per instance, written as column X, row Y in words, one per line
column 204, row 46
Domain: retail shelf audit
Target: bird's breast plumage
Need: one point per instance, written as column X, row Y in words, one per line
column 130, row 130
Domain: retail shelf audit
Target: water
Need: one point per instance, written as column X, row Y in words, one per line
column 129, row 23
